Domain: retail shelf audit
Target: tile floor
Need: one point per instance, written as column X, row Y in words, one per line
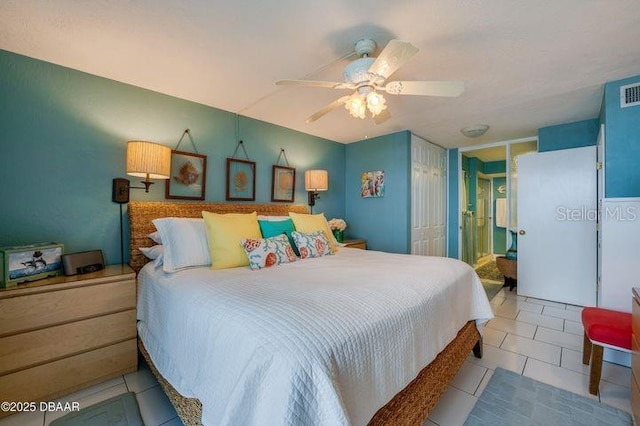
column 536, row 338
column 155, row 407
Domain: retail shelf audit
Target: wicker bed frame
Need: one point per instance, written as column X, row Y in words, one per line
column 409, row 407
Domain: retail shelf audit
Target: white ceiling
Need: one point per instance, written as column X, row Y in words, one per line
column 526, row 64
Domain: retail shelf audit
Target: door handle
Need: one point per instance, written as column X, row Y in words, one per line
column 522, row 232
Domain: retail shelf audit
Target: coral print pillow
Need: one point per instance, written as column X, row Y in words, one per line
column 315, row 244
column 263, row 253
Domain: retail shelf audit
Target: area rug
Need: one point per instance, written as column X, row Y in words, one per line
column 491, row 287
column 121, row 410
column 511, row 399
column 489, row 271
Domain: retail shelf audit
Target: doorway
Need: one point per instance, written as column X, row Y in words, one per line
column 488, row 196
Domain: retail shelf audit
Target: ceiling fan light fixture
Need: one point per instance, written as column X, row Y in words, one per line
column 475, row 131
column 356, row 106
column 376, row 103
column 368, row 76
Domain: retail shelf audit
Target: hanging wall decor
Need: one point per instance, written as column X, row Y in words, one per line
column 188, row 176
column 241, row 177
column 372, row 184
column 283, row 180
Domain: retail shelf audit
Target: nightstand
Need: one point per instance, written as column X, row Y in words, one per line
column 358, row 244
column 61, row 334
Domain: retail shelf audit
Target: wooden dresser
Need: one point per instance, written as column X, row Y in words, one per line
column 62, row 334
column 635, row 357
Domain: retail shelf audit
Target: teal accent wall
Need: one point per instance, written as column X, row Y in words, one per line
column 499, row 234
column 622, row 143
column 453, row 220
column 493, row 167
column 64, row 140
column 384, row 222
column 570, row 135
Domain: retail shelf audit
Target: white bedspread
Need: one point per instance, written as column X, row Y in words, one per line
column 324, row 341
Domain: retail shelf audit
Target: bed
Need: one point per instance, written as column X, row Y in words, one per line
column 326, row 371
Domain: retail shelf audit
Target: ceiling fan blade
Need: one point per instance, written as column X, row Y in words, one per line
column 382, row 117
column 316, row 83
column 425, row 88
column 392, row 57
column 333, row 105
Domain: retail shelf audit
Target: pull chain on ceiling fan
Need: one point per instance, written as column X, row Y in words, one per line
column 366, row 76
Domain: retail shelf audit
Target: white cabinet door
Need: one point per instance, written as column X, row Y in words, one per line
column 557, row 225
column 428, row 198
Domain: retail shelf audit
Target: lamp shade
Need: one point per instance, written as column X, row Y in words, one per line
column 316, row 180
column 148, row 159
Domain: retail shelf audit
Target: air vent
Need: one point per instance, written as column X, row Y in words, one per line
column 630, row 95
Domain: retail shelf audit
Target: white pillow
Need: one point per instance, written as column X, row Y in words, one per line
column 185, row 243
column 155, row 253
column 155, row 236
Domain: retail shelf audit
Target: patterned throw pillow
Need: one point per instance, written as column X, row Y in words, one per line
column 263, row 253
column 315, row 244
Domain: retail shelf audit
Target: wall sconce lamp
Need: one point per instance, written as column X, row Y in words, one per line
column 315, row 181
column 144, row 159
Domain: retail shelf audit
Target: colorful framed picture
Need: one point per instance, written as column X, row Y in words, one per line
column 30, row 262
column 372, row 184
column 241, row 180
column 188, row 176
column 283, row 184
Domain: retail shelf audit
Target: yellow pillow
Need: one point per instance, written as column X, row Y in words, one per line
column 308, row 223
column 225, row 233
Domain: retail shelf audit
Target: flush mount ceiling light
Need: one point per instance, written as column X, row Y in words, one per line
column 475, row 131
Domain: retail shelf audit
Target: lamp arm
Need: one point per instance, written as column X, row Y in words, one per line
column 121, row 187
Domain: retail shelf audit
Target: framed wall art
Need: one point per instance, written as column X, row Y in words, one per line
column 188, row 176
column 372, row 184
column 283, row 184
column 241, row 180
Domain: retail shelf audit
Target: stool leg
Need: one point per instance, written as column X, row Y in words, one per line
column 596, row 369
column 586, row 350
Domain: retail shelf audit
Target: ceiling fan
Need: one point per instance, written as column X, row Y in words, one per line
column 366, row 76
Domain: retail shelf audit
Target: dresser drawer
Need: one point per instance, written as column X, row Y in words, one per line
column 33, row 311
column 635, row 399
column 27, row 349
column 47, row 381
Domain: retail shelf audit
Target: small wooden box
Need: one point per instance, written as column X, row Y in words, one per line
column 30, row 262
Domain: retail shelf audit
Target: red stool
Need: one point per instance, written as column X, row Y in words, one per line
column 603, row 328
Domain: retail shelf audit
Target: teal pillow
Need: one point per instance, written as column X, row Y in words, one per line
column 271, row 228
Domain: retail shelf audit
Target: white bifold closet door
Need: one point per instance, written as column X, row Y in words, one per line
column 428, row 198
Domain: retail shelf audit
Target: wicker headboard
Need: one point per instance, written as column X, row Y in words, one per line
column 141, row 213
